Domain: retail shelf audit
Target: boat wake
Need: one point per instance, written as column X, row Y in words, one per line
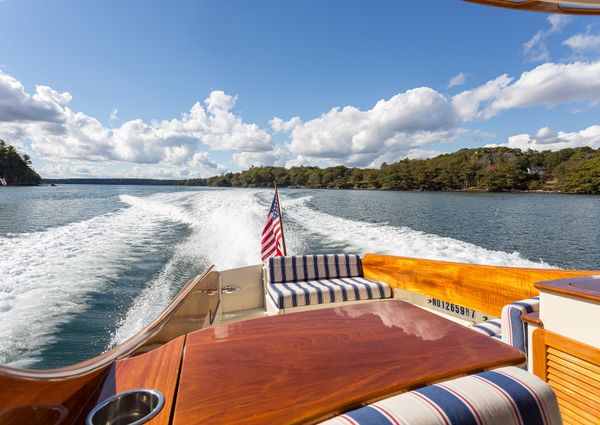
column 50, row 278
column 360, row 237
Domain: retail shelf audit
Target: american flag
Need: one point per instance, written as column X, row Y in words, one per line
column 272, row 243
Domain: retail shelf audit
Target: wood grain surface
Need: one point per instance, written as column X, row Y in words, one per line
column 157, row 369
column 306, row 367
column 539, row 6
column 482, row 288
column 587, row 288
column 533, row 319
column 573, row 371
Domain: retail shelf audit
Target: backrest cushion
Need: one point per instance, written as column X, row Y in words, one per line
column 313, row 267
column 514, row 330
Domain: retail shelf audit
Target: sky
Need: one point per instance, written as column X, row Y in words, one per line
column 183, row 89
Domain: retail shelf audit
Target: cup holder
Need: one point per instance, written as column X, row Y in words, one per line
column 133, row 407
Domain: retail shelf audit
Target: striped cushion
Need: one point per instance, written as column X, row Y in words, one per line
column 323, row 291
column 514, row 330
column 491, row 328
column 507, row 396
column 313, row 267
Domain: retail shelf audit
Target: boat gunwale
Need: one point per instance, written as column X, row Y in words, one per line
column 544, row 6
column 106, row 359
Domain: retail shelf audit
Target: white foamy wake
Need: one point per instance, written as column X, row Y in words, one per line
column 225, row 231
column 363, row 237
column 45, row 277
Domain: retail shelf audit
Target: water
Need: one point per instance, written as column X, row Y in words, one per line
column 84, row 267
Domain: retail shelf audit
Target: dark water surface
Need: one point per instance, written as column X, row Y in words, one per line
column 82, row 267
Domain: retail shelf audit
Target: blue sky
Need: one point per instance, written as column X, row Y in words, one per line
column 145, row 63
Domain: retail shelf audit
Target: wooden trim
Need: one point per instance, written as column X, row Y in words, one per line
column 573, row 371
column 572, row 347
column 539, row 354
column 586, row 288
column 533, row 319
column 539, row 6
column 483, row 288
column 157, row 369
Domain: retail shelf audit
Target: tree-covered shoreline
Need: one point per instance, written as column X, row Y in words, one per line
column 15, row 169
column 499, row 169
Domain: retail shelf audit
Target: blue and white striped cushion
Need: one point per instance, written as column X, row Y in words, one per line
column 323, row 291
column 313, row 267
column 507, row 396
column 491, row 327
column 514, row 330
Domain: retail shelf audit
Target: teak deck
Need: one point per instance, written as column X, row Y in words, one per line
column 303, row 368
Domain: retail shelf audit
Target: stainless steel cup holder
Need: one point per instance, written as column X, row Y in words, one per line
column 133, row 407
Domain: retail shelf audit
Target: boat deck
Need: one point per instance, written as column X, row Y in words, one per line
column 304, row 368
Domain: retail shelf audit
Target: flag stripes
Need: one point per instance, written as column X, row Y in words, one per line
column 271, row 243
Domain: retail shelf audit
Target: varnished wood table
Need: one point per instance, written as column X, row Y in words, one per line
column 306, row 367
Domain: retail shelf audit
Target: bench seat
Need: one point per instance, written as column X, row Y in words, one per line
column 310, row 280
column 323, row 291
column 506, row 396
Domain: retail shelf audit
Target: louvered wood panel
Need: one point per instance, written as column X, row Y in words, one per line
column 573, row 371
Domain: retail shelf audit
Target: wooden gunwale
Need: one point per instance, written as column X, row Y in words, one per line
column 483, row 288
column 540, row 6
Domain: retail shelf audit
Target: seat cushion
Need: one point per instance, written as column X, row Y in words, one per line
column 323, row 291
column 507, row 396
column 313, row 267
column 491, row 328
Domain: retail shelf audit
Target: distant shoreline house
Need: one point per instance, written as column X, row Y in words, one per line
column 536, row 170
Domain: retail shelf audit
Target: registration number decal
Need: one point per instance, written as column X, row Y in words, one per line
column 453, row 308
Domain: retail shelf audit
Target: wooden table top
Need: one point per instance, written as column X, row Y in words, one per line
column 306, row 367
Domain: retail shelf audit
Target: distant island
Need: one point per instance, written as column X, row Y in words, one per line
column 493, row 169
column 15, row 169
column 114, row 181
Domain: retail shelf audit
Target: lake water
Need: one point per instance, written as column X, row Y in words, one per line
column 84, row 267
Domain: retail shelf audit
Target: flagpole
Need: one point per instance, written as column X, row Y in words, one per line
column 280, row 218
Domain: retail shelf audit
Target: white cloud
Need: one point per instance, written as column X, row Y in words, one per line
column 458, row 80
column 468, row 103
column 200, row 166
column 55, row 130
column 535, row 50
column 422, row 153
column 351, row 136
column 558, row 22
column 276, row 156
column 423, row 117
column 16, row 105
column 547, row 139
column 584, row 42
column 114, row 115
column 408, row 124
column 547, row 85
column 280, row 126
